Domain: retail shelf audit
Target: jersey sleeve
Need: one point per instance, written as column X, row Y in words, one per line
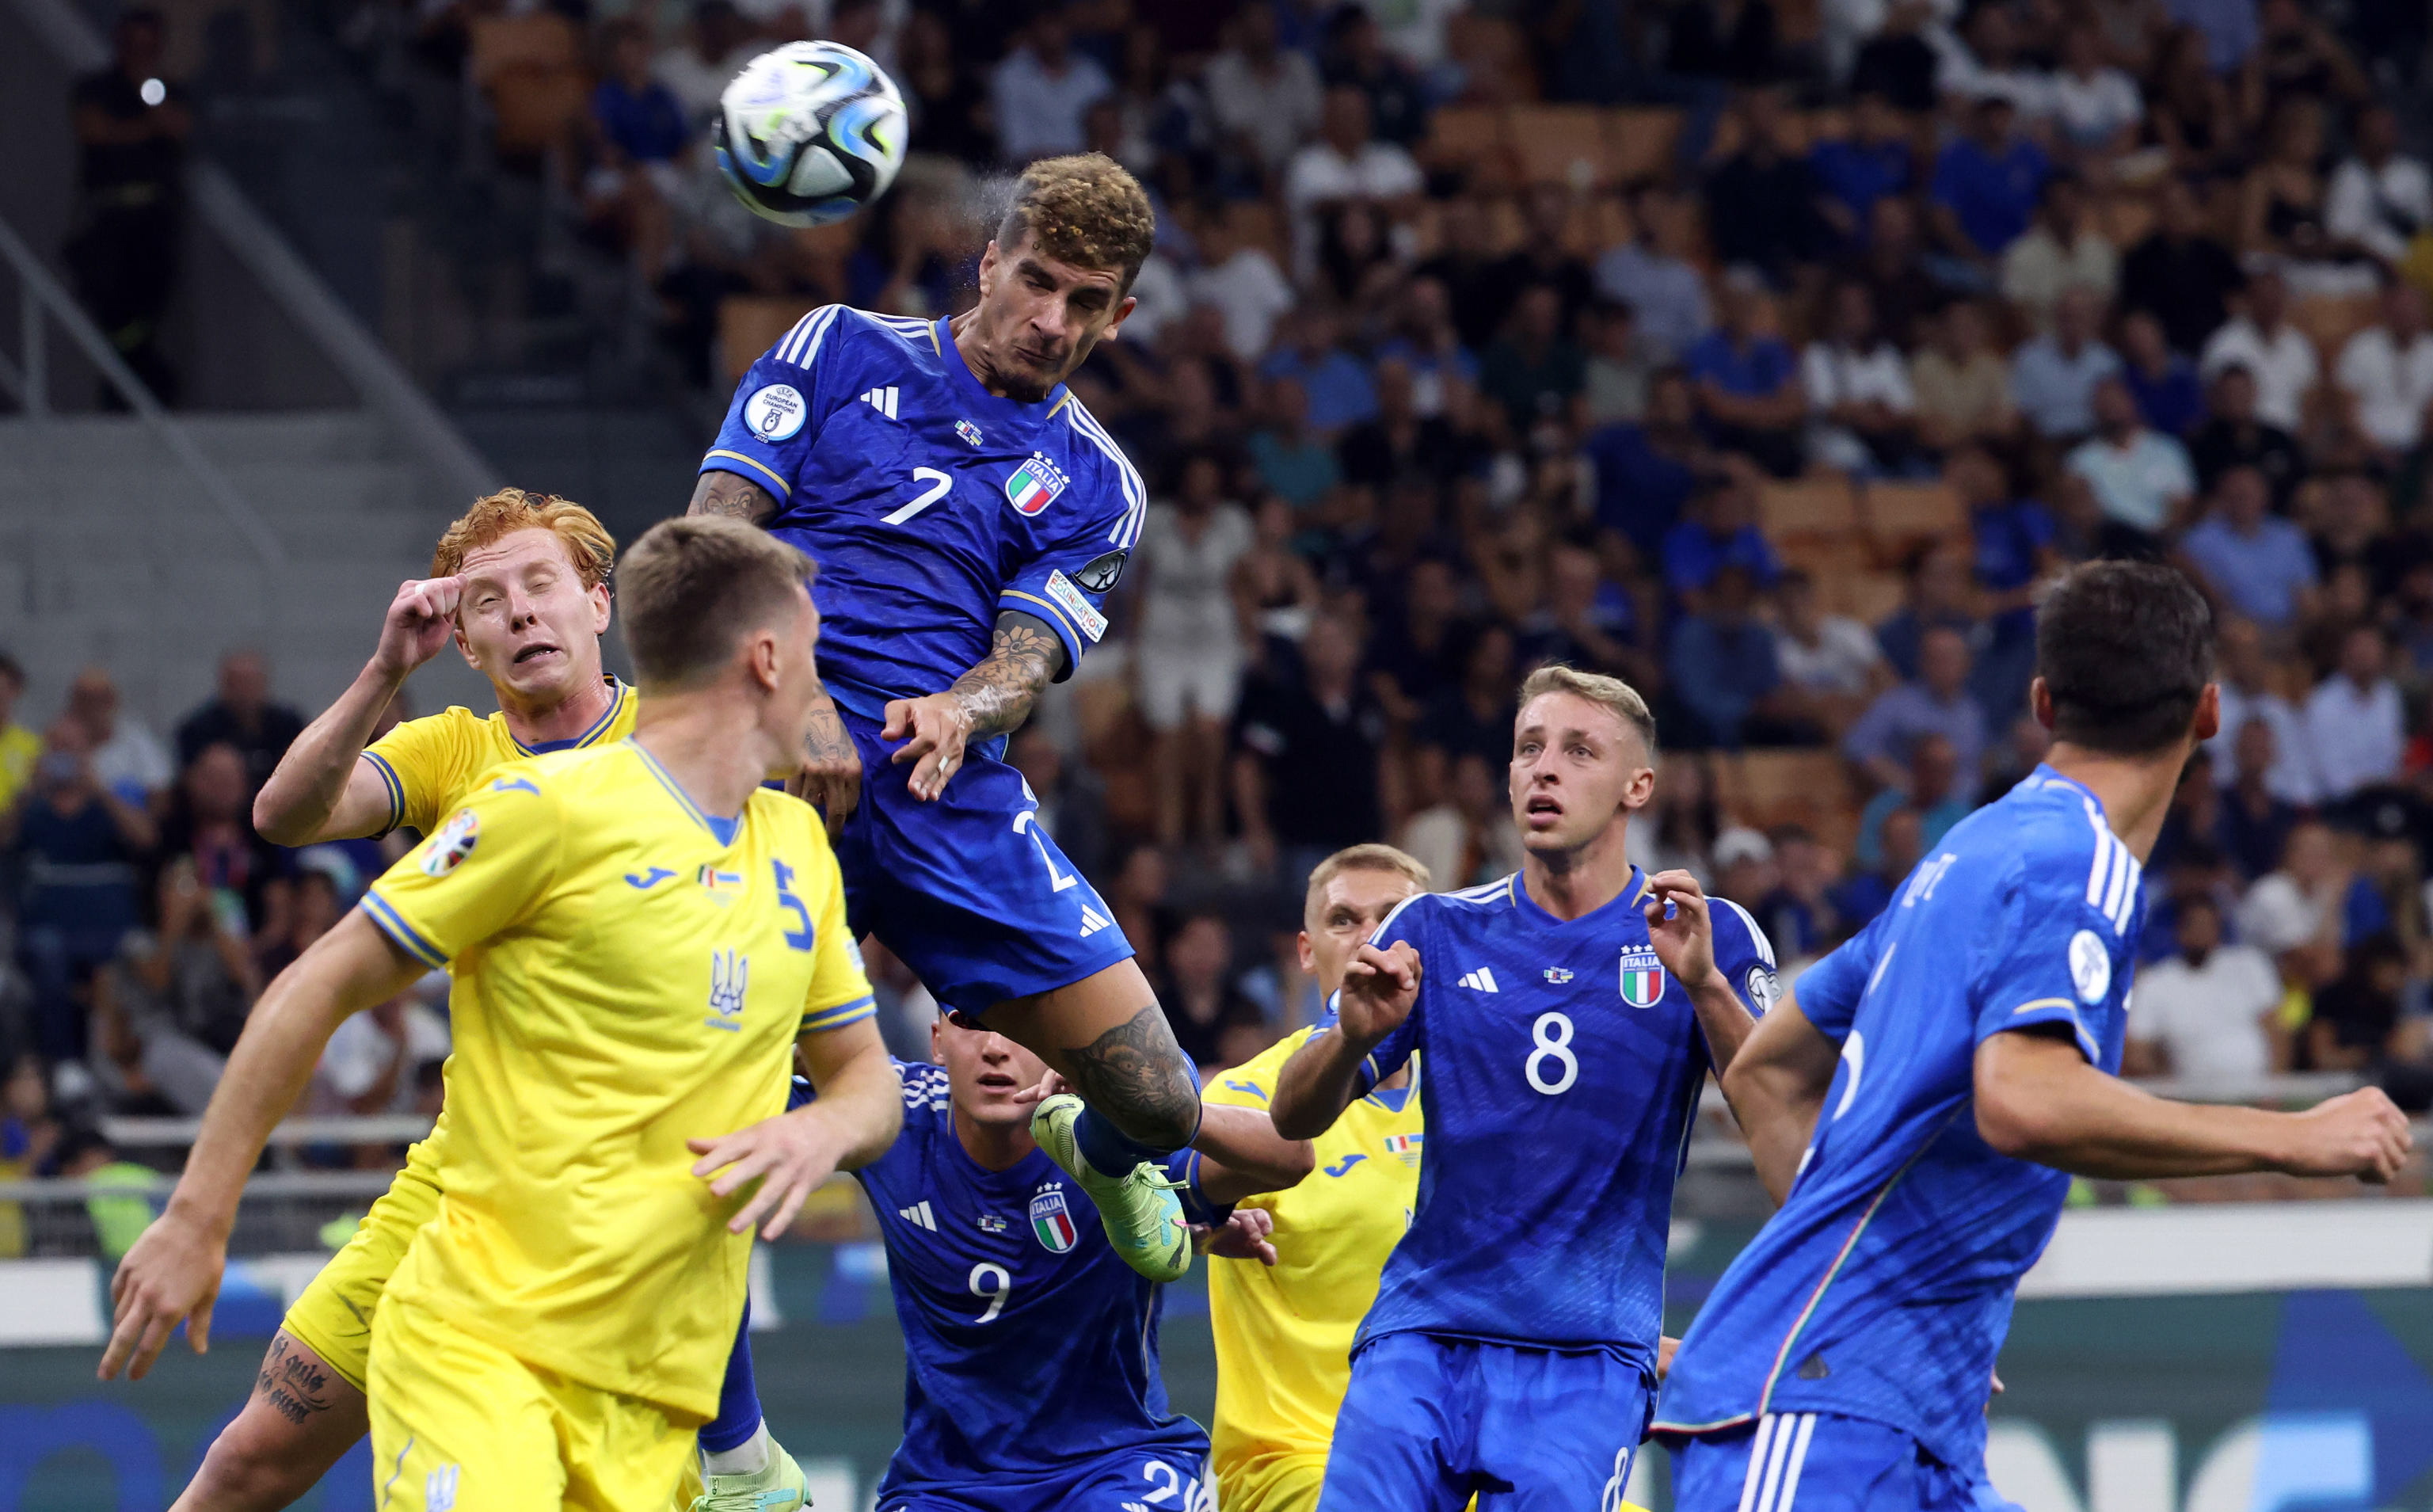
column 486, row 867
column 839, row 986
column 2053, row 953
column 775, row 415
column 1066, row 581
column 424, row 763
column 1745, row 955
column 1828, row 992
column 1394, row 1051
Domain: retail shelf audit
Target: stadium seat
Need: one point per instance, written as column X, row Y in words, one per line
column 1808, row 787
column 1640, row 143
column 1461, row 136
column 1899, row 516
column 1822, row 506
column 1253, row 223
column 535, row 111
column 1868, row 597
column 1561, row 144
column 2126, row 218
column 1826, row 559
column 750, row 324
column 544, row 41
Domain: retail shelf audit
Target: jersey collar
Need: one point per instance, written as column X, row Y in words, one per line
column 692, row 810
column 617, row 694
column 2045, row 776
column 1633, row 892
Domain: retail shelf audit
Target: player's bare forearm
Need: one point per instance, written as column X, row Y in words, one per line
column 320, row 788
column 731, row 494
column 1321, row 1079
column 2038, row 1100
column 1775, row 1086
column 1723, row 1018
column 858, row 1087
column 1242, row 1155
column 1000, row 692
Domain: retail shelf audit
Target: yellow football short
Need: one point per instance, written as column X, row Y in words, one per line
column 333, row 1317
column 461, row 1425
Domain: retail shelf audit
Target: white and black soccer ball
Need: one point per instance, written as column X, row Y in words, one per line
column 809, row 132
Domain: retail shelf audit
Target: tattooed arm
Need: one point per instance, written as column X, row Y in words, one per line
column 728, row 493
column 993, row 697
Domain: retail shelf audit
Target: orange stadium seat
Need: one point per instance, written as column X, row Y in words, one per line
column 1821, row 506
column 1827, row 559
column 1901, row 515
column 1640, row 143
column 1253, row 223
column 544, row 41
column 1868, row 597
column 1461, row 136
column 1560, row 144
column 2330, row 319
column 535, row 111
column 1812, row 789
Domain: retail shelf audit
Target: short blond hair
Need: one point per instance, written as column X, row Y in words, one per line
column 1084, row 210
column 694, row 586
column 495, row 516
column 1597, row 687
column 1369, row 857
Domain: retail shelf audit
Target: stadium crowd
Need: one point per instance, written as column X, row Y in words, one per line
column 1766, row 355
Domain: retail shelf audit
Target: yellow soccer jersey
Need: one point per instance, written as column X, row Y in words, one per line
column 429, row 764
column 624, row 980
column 1283, row 1333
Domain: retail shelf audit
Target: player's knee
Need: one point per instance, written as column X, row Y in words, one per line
column 1160, row 1110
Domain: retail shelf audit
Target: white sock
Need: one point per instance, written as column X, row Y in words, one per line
column 749, row 1458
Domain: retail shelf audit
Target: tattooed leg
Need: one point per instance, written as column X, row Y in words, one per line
column 300, row 1420
column 1106, row 1036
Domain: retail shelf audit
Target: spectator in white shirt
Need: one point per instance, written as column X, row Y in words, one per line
column 1245, row 285
column 2205, row 1016
column 2095, row 106
column 1344, row 164
column 2356, row 729
column 697, row 73
column 2141, row 478
column 1862, row 415
column 372, row 1063
column 1042, row 90
column 1261, row 94
column 2259, row 339
column 127, row 758
column 1829, row 663
column 2385, row 372
column 2244, row 675
column 2380, row 199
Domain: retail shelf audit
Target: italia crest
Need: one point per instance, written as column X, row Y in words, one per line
column 1051, row 1221
column 1642, row 979
column 1034, row 485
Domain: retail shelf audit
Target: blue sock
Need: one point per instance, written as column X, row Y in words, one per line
column 738, row 1400
column 1110, row 1151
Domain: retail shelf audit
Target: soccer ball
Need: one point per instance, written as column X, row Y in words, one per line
column 809, row 132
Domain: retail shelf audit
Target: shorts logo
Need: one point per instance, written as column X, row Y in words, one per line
column 2090, row 967
column 729, row 974
column 454, row 842
column 776, row 412
column 1034, row 485
column 1102, row 572
column 1643, row 977
column 970, row 433
column 1407, row 1146
column 1051, row 1222
column 1068, row 598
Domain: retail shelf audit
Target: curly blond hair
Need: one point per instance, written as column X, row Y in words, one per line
column 496, row 516
column 1084, row 210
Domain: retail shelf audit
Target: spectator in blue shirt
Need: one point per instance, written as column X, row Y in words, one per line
column 1646, row 473
column 1934, row 791
column 1986, row 183
column 1747, row 380
column 1936, row 702
column 1290, row 460
column 1721, row 532
column 1339, row 391
column 1853, row 172
column 2054, row 376
column 2165, row 385
column 79, row 844
column 639, row 116
column 2253, row 559
column 1723, row 672
column 1860, row 897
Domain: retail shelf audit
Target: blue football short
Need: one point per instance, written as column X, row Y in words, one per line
column 1157, row 1479
column 968, row 889
column 1430, row 1422
column 1814, row 1462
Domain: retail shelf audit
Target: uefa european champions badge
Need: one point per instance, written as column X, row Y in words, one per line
column 1051, row 1221
column 454, row 842
column 776, row 412
column 1034, row 485
column 2090, row 967
column 1643, row 977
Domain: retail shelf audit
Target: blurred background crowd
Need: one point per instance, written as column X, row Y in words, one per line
column 1768, row 353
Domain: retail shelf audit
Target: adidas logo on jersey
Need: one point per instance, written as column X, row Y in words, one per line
column 1093, row 920
column 882, row 400
column 1481, row 980
column 919, row 1212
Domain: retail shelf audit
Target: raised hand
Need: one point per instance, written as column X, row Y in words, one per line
column 1683, row 934
column 1378, row 987
column 421, row 620
column 789, row 1155
column 1243, row 1236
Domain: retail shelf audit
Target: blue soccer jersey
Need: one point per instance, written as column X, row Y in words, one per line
column 1030, row 1347
column 1564, row 1067
column 929, row 504
column 1882, row 1288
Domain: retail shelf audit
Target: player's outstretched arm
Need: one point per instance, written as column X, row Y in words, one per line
column 856, row 1116
column 731, row 494
column 1684, row 936
column 1776, row 1085
column 321, row 790
column 172, row 1273
column 2038, row 1100
column 992, row 698
column 1324, row 1075
column 1242, row 1155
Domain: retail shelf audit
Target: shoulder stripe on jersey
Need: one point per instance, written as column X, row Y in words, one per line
column 2113, row 878
column 785, row 489
column 1126, row 530
column 1499, row 891
column 1756, row 936
column 1388, row 922
column 802, row 343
